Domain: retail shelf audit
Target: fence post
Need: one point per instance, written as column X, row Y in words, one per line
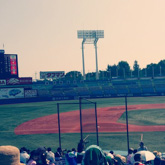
column 96, row 125
column 127, row 122
column 80, row 119
column 59, row 130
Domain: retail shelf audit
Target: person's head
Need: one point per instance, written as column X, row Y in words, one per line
column 34, row 155
column 134, row 151
column 23, row 149
column 111, row 152
column 137, row 157
column 73, row 149
column 155, row 153
column 9, row 155
column 49, row 149
column 130, row 151
column 59, row 149
column 120, row 159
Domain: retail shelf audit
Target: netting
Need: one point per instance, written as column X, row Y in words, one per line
column 89, row 121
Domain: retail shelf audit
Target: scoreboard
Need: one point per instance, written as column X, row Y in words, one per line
column 8, row 65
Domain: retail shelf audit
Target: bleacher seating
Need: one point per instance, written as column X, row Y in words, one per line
column 134, row 89
column 147, row 88
column 83, row 91
column 108, row 90
column 96, row 91
column 160, row 88
column 57, row 93
column 70, row 92
column 101, row 88
column 121, row 89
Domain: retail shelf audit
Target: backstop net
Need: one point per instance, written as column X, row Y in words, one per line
column 78, row 124
column 88, row 120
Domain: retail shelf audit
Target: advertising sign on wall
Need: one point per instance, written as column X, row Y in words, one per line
column 52, row 75
column 31, row 93
column 9, row 93
column 2, row 82
column 19, row 81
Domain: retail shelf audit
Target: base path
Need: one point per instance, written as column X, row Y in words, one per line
column 70, row 123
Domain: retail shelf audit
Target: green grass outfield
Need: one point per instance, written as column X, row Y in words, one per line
column 13, row 115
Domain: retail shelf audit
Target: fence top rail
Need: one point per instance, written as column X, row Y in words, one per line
column 87, row 100
column 76, row 103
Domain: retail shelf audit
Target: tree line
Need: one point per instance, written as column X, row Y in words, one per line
column 123, row 70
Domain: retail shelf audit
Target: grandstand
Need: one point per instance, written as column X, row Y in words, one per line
column 73, row 89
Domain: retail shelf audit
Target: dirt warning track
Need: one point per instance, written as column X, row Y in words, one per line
column 70, row 123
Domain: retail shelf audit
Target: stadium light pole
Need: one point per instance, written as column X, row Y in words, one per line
column 83, row 61
column 90, row 37
column 95, row 43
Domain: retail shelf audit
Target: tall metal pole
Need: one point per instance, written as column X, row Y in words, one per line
column 97, row 74
column 83, row 61
column 59, row 131
column 97, row 135
column 80, row 119
column 127, row 122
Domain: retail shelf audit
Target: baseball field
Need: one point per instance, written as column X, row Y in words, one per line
column 36, row 124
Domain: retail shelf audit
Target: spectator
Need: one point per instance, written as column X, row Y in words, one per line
column 42, row 160
column 74, row 151
column 142, row 147
column 9, row 155
column 109, row 158
column 50, row 156
column 94, row 156
column 130, row 153
column 33, row 158
column 132, row 157
column 157, row 160
column 138, row 160
column 70, row 158
column 120, row 160
column 80, row 151
column 24, row 156
column 58, row 154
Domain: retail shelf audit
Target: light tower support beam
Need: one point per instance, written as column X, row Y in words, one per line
column 97, row 73
column 90, row 37
column 83, row 61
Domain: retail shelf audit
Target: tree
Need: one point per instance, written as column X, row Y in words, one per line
column 123, row 69
column 151, row 70
column 73, row 75
column 161, row 66
column 91, row 76
column 112, row 70
column 136, row 69
column 103, row 75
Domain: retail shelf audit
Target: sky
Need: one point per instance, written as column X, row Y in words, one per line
column 44, row 33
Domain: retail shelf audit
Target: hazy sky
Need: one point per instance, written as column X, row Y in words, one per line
column 44, row 33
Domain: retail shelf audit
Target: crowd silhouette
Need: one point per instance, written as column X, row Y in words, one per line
column 91, row 155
